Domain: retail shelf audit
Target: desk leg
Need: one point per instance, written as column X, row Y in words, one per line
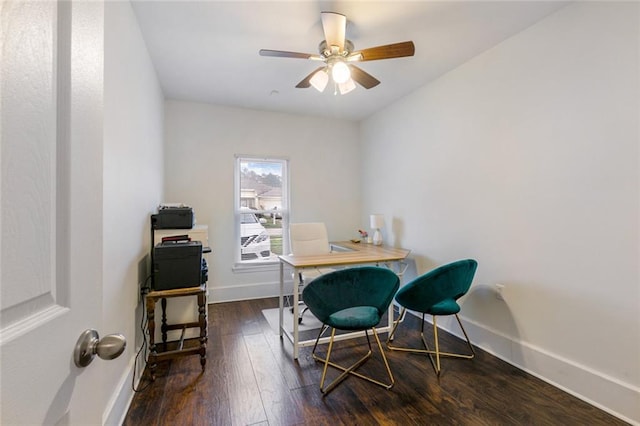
column 153, row 353
column 390, row 312
column 281, row 299
column 296, row 312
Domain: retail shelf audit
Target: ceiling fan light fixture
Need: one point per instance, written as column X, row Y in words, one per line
column 338, row 56
column 319, row 80
column 340, row 72
column 347, row 86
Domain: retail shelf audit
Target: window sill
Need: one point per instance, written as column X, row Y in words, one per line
column 241, row 268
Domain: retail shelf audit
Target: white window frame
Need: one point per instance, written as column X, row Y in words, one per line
column 256, row 265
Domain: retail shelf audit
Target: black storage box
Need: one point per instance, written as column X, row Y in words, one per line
column 173, row 218
column 177, row 265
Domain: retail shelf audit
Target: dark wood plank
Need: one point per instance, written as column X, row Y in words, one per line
column 251, row 378
column 245, row 401
column 279, row 405
column 141, row 410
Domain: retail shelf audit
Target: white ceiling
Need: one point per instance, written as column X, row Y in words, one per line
column 207, row 51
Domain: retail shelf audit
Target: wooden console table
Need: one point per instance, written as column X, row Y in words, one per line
column 155, row 356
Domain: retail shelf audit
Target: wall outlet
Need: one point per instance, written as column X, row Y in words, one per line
column 499, row 291
column 143, row 289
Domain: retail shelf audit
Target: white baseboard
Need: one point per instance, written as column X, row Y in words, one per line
column 118, row 405
column 609, row 394
column 246, row 292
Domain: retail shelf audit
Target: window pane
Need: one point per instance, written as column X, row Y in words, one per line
column 262, row 206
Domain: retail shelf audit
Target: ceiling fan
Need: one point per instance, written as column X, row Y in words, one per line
column 338, row 56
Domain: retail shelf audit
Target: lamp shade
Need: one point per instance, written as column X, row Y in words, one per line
column 346, row 87
column 319, row 80
column 376, row 221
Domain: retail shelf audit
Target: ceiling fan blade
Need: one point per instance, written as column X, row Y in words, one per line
column 395, row 50
column 306, row 81
column 334, row 26
column 283, row 54
column 363, row 78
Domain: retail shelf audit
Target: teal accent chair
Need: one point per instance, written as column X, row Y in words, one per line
column 351, row 299
column 436, row 293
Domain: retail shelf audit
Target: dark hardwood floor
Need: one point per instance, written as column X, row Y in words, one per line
column 252, row 379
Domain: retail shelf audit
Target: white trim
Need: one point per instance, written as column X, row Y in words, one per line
column 118, row 405
column 31, row 322
column 234, row 293
column 267, row 266
column 607, row 393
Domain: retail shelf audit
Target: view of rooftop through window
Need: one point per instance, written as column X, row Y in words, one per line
column 262, row 204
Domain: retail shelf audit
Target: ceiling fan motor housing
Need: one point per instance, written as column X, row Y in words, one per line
column 328, row 51
column 338, row 54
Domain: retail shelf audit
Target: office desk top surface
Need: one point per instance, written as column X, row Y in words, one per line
column 348, row 253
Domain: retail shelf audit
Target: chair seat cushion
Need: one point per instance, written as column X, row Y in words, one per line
column 446, row 307
column 356, row 318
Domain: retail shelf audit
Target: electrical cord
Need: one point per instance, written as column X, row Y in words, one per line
column 143, row 348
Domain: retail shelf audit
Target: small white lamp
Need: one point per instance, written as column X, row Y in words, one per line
column 376, row 221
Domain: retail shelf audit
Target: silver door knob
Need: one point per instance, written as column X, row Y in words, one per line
column 90, row 344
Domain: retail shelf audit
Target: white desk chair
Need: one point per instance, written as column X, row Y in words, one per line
column 308, row 239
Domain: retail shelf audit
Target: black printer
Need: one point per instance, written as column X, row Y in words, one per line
column 178, row 264
column 173, row 217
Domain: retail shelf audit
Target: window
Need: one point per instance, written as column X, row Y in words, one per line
column 262, row 210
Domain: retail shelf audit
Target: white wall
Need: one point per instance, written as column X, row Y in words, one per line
column 133, row 183
column 201, row 141
column 526, row 159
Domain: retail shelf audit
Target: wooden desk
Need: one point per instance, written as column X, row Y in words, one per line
column 155, row 356
column 344, row 253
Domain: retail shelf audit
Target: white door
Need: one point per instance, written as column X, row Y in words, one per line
column 51, row 91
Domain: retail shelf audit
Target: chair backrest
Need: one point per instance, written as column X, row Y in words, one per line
column 447, row 282
column 308, row 239
column 351, row 287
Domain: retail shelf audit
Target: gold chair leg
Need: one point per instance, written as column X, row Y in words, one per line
column 406, row 349
column 435, row 339
column 435, row 363
column 386, row 363
column 395, row 326
column 351, row 369
column 456, row 355
column 473, row 352
column 326, row 365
